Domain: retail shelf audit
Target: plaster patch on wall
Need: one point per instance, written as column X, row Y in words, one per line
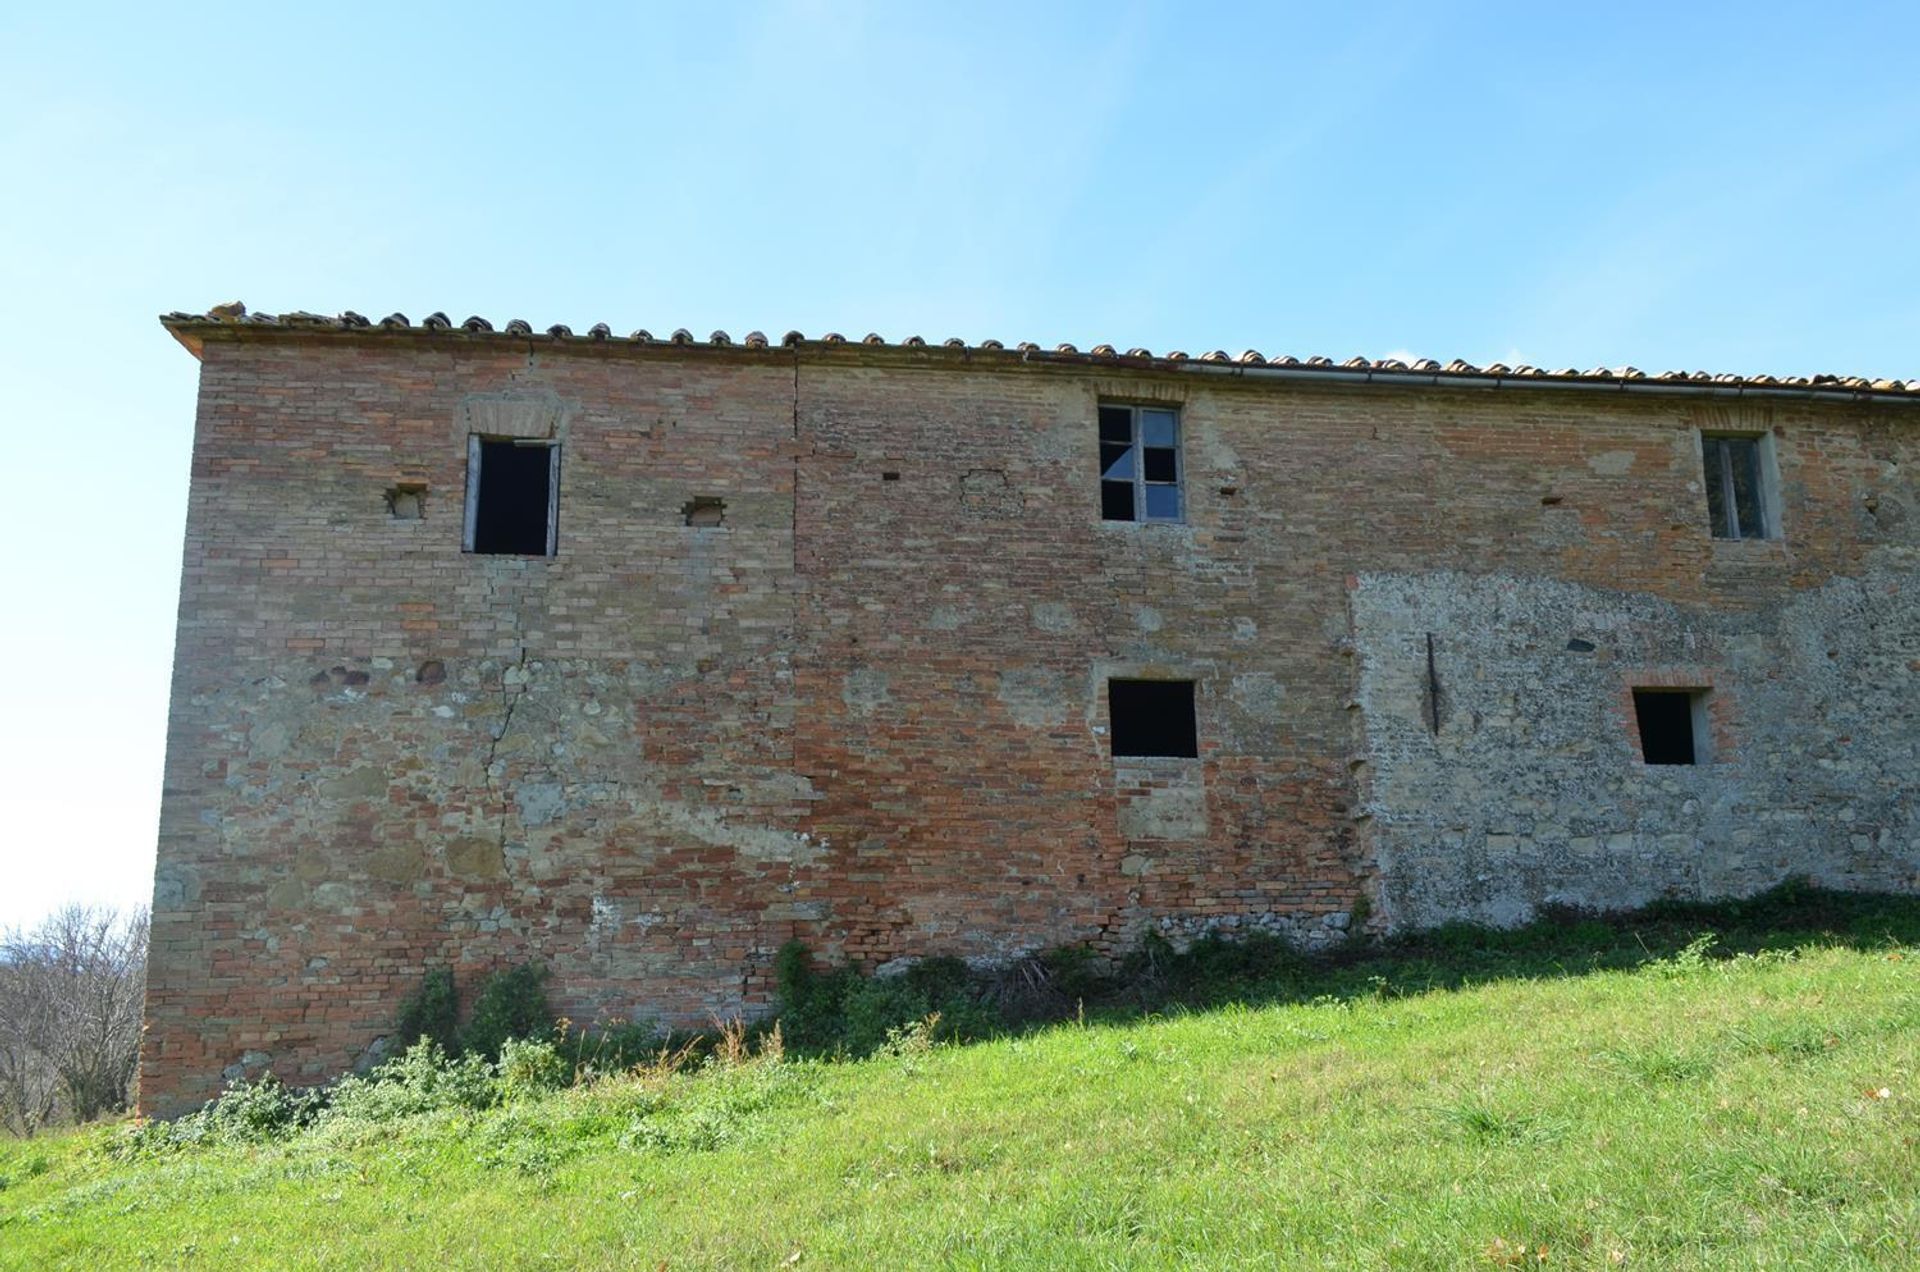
column 1053, row 617
column 759, row 843
column 1178, row 812
column 986, row 493
column 1217, row 458
column 865, row 689
column 1259, row 693
column 1034, row 696
column 539, row 802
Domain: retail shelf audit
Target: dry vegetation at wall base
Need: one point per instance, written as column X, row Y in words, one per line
column 1730, row 1088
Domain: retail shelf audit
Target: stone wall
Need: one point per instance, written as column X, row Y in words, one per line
column 867, row 708
column 1531, row 790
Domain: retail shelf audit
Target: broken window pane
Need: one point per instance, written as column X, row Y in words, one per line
column 512, row 503
column 1153, row 718
column 1139, row 450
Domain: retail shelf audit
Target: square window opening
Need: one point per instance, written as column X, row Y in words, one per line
column 1736, row 472
column 1153, row 718
column 1140, row 477
column 1672, row 724
column 512, row 496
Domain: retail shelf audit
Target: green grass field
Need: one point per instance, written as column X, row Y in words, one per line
column 1573, row 1097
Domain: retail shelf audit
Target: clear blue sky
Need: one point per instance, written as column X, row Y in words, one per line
column 1734, row 187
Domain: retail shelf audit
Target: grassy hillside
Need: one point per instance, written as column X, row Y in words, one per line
column 1591, row 1096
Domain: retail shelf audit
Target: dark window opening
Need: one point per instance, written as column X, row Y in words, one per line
column 1734, row 479
column 705, row 510
column 510, row 497
column 1670, row 723
column 1139, row 464
column 1153, row 718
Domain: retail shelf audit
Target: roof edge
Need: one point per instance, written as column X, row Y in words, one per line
column 234, row 323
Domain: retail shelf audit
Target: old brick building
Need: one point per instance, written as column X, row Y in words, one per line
column 638, row 657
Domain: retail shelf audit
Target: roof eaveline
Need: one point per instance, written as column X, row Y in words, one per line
column 191, row 329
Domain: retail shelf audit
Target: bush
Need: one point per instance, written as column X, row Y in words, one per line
column 511, row 1004
column 810, row 1004
column 432, row 1011
column 529, row 1068
column 245, row 1113
column 876, row 1006
column 423, row 1080
column 841, row 1011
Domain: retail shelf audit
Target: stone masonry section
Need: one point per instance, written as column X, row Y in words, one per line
column 823, row 647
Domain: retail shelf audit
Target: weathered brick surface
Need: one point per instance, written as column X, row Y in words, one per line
column 868, row 711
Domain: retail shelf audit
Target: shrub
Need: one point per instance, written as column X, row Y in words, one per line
column 432, row 1011
column 876, row 1006
column 245, row 1113
column 510, row 1004
column 531, row 1068
column 841, row 1011
column 423, row 1080
column 810, row 1003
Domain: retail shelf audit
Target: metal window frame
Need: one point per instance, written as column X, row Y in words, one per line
column 1138, row 445
column 471, row 517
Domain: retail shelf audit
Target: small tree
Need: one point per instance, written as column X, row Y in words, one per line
column 71, row 992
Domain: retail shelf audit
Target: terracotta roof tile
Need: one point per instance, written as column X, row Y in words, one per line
column 192, row 329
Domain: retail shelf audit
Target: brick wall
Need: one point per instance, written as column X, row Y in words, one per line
column 868, row 709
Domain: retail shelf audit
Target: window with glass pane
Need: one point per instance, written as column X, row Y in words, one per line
column 1735, row 477
column 1139, row 463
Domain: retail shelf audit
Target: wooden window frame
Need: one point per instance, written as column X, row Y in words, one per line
column 1137, row 444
